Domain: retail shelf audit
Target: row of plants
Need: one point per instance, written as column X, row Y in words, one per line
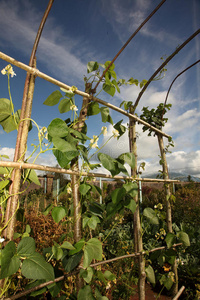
column 116, row 233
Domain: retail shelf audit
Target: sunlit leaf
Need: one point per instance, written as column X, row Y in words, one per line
column 35, row 267
column 53, row 99
column 150, row 274
column 184, row 238
column 10, row 263
column 87, row 274
column 92, row 66
column 58, row 213
column 58, row 128
column 150, row 214
column 85, row 293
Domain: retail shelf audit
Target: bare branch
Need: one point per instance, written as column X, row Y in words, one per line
column 162, row 66
column 128, row 41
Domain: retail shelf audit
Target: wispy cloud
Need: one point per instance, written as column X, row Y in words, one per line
column 56, row 49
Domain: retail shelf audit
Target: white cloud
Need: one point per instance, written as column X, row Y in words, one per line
column 123, row 17
column 183, row 162
column 55, row 48
column 7, row 151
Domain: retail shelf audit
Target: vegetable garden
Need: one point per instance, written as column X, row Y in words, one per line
column 76, row 264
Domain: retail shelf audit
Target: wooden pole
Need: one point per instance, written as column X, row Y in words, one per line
column 76, row 180
column 168, row 205
column 138, row 244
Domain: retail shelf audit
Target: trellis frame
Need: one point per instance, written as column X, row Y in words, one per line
column 21, row 165
column 32, row 70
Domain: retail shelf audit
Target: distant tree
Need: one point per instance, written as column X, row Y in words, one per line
column 189, row 178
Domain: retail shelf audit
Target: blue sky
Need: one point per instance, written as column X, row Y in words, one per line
column 77, row 32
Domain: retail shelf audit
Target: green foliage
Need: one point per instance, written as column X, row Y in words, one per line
column 110, row 83
column 115, row 166
column 150, row 274
column 8, row 120
column 58, row 213
column 155, row 116
column 92, row 250
column 33, row 264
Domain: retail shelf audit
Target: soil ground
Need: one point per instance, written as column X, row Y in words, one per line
column 150, row 295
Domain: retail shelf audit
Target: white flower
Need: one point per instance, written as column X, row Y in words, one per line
column 115, row 133
column 93, row 142
column 104, row 130
column 2, row 240
column 3, row 72
column 74, row 107
column 69, row 190
column 8, row 70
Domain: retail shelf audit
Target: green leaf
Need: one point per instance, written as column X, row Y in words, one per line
column 57, row 252
column 120, row 128
column 58, row 128
column 112, row 67
column 92, row 66
column 35, row 267
column 28, row 228
column 85, row 293
column 67, row 245
column 131, row 205
column 32, row 176
column 72, row 262
column 105, row 115
column 64, row 105
column 78, row 247
column 131, row 188
column 87, row 274
column 109, row 276
column 10, row 263
column 63, row 158
column 85, row 221
column 129, row 158
column 93, row 109
column 80, row 135
column 150, row 274
column 150, row 214
column 96, row 209
column 64, row 146
column 5, row 109
column 93, row 221
column 10, row 123
column 4, row 183
column 120, row 167
column 166, row 281
column 92, row 250
column 133, row 81
column 109, row 163
column 184, row 238
column 84, row 188
column 16, row 235
column 54, row 289
column 48, row 209
column 170, row 239
column 26, row 247
column 117, row 195
column 58, row 213
column 99, row 296
column 109, row 89
column 53, row 99
column 4, row 170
